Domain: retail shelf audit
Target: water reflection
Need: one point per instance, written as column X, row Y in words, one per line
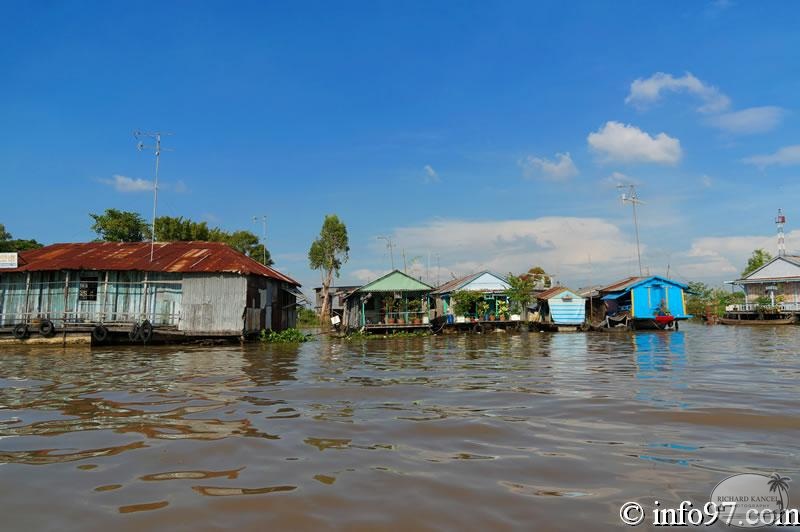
column 476, row 431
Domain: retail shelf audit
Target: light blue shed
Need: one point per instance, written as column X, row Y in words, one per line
column 561, row 306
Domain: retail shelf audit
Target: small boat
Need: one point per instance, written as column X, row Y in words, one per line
column 777, row 321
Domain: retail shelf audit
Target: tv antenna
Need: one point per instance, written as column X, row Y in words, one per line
column 390, row 245
column 632, row 197
column 264, row 239
column 141, row 146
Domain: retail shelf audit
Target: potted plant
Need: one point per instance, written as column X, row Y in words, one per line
column 482, row 308
column 464, row 301
column 389, row 307
column 502, row 309
column 414, row 307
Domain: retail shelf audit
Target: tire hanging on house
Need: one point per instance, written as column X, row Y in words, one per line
column 47, row 329
column 20, row 331
column 133, row 334
column 100, row 333
column 146, row 331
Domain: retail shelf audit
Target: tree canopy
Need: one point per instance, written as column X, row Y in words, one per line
column 757, row 259
column 125, row 226
column 330, row 250
column 327, row 253
column 119, row 226
column 9, row 244
column 520, row 291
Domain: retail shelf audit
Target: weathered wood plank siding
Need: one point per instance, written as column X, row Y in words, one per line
column 214, row 303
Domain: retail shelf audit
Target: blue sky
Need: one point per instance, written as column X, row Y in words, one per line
column 490, row 135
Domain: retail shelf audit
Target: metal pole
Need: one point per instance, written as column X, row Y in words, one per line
column 155, row 196
column 634, row 199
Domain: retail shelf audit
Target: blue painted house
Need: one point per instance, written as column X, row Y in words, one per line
column 561, row 306
column 646, row 302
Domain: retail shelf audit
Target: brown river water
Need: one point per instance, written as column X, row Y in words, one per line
column 504, row 431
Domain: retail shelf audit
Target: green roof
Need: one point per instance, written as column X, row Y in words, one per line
column 396, row 281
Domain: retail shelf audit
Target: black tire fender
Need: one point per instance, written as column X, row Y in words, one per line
column 133, row 334
column 20, row 331
column 47, row 329
column 146, row 331
column 100, row 333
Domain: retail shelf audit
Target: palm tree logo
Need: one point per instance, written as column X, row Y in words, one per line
column 780, row 485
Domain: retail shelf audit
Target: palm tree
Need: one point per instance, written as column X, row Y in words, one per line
column 780, row 485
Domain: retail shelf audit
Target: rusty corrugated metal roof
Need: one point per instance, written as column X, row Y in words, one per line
column 621, row 285
column 550, row 292
column 172, row 257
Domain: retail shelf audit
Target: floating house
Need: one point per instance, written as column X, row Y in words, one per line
column 191, row 289
column 490, row 285
column 776, row 285
column 337, row 295
column 561, row 307
column 645, row 302
column 394, row 301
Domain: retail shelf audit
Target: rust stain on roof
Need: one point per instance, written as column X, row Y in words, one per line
column 172, row 257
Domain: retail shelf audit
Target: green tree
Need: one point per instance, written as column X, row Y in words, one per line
column 520, row 292
column 757, row 259
column 327, row 254
column 169, row 229
column 539, row 276
column 697, row 297
column 120, row 226
column 9, row 244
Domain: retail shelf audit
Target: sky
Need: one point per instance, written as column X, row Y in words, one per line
column 474, row 135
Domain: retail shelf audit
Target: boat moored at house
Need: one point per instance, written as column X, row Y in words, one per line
column 645, row 302
column 188, row 289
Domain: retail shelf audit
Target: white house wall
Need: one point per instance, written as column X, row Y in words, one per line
column 487, row 282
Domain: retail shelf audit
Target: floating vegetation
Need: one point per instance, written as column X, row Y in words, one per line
column 289, row 336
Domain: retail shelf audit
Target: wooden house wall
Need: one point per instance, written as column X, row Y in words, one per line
column 214, row 303
column 789, row 290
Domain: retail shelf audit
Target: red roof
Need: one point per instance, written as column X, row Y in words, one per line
column 172, row 257
column 550, row 292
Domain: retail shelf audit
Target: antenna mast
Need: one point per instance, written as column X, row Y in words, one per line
column 264, row 238
column 390, row 245
column 156, row 135
column 780, row 221
column 633, row 198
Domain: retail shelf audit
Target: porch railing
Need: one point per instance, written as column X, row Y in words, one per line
column 754, row 307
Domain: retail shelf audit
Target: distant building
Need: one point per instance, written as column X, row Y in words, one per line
column 492, row 286
column 777, row 281
column 645, row 302
column 561, row 306
column 188, row 289
column 394, row 301
column 337, row 295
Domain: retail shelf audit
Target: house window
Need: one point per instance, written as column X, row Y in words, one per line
column 87, row 290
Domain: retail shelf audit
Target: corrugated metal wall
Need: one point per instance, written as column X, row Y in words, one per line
column 214, row 303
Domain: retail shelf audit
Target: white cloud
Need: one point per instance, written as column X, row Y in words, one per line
column 629, row 144
column 749, row 121
column 560, row 244
column 786, row 156
column 618, row 178
column 122, row 183
column 126, row 185
column 726, row 256
column 431, row 176
column 647, row 91
column 559, row 170
column 706, row 181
